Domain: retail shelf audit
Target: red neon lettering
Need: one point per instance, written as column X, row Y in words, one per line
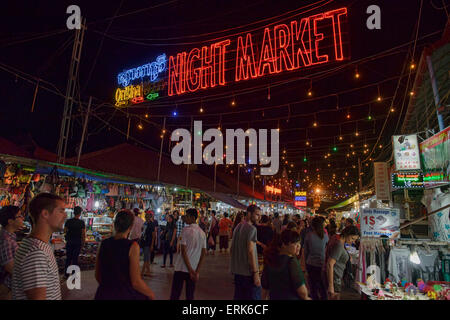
column 176, row 74
column 245, row 62
column 282, row 38
column 303, row 51
column 193, row 74
column 208, row 78
column 317, row 37
column 266, row 59
column 222, row 50
column 335, row 15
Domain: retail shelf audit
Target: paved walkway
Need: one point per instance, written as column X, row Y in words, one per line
column 215, row 283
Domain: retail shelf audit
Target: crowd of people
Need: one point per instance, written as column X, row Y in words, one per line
column 272, row 257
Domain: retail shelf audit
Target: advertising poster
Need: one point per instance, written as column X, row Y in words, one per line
column 406, row 152
column 379, row 222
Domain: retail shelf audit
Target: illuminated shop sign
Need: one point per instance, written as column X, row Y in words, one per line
column 310, row 41
column 407, row 180
column 148, row 83
column 300, row 199
column 273, row 190
column 150, row 70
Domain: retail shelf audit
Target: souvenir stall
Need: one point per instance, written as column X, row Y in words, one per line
column 394, row 268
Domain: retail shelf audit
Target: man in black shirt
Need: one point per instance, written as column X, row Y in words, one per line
column 264, row 233
column 75, row 230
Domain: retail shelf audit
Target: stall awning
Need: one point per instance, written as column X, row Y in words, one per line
column 344, row 203
column 227, row 199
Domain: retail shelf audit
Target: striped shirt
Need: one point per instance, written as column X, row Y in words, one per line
column 35, row 267
column 180, row 225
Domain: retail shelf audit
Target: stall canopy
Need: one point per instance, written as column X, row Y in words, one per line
column 344, row 203
column 227, row 199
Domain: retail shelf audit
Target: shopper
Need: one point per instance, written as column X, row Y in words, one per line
column 188, row 263
column 342, row 224
column 35, row 273
column 282, row 277
column 277, row 223
column 180, row 224
column 117, row 265
column 315, row 244
column 336, row 258
column 349, row 222
column 168, row 240
column 224, row 232
column 11, row 220
column 331, row 228
column 264, row 234
column 138, row 225
column 244, row 259
column 148, row 242
column 237, row 220
column 155, row 243
column 213, row 233
column 75, row 230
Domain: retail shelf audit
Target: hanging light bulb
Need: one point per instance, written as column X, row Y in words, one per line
column 348, row 115
column 356, row 133
column 307, row 143
column 379, row 98
column 412, row 66
column 201, row 110
column 341, row 138
column 140, row 127
column 357, row 74
column 233, row 103
column 315, row 124
column 369, row 117
column 411, row 93
column 174, row 113
column 392, row 109
column 146, row 115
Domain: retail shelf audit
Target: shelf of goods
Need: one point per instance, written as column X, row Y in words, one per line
column 86, row 259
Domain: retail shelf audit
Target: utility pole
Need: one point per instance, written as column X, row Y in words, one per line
column 84, row 131
column 437, row 100
column 70, row 92
column 161, row 148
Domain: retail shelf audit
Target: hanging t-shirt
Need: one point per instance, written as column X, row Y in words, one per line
column 399, row 266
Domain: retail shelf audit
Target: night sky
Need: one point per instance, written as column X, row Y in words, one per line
column 35, row 43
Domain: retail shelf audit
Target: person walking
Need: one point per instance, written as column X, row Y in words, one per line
column 148, row 242
column 282, row 277
column 315, row 244
column 11, row 220
column 188, row 263
column 244, row 258
column 236, row 221
column 35, row 274
column 75, row 230
column 276, row 223
column 117, row 265
column 168, row 240
column 213, row 233
column 224, row 231
column 265, row 234
column 138, row 225
column 336, row 257
column 180, row 224
column 155, row 243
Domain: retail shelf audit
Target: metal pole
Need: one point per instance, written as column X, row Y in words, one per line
column 437, row 100
column 84, row 131
column 35, row 94
column 128, row 130
column 161, row 148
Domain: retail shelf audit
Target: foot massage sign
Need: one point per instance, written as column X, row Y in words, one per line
column 304, row 42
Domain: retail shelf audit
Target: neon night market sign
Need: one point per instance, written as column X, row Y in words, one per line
column 127, row 92
column 302, row 43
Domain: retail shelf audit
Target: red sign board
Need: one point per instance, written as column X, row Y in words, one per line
column 313, row 40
